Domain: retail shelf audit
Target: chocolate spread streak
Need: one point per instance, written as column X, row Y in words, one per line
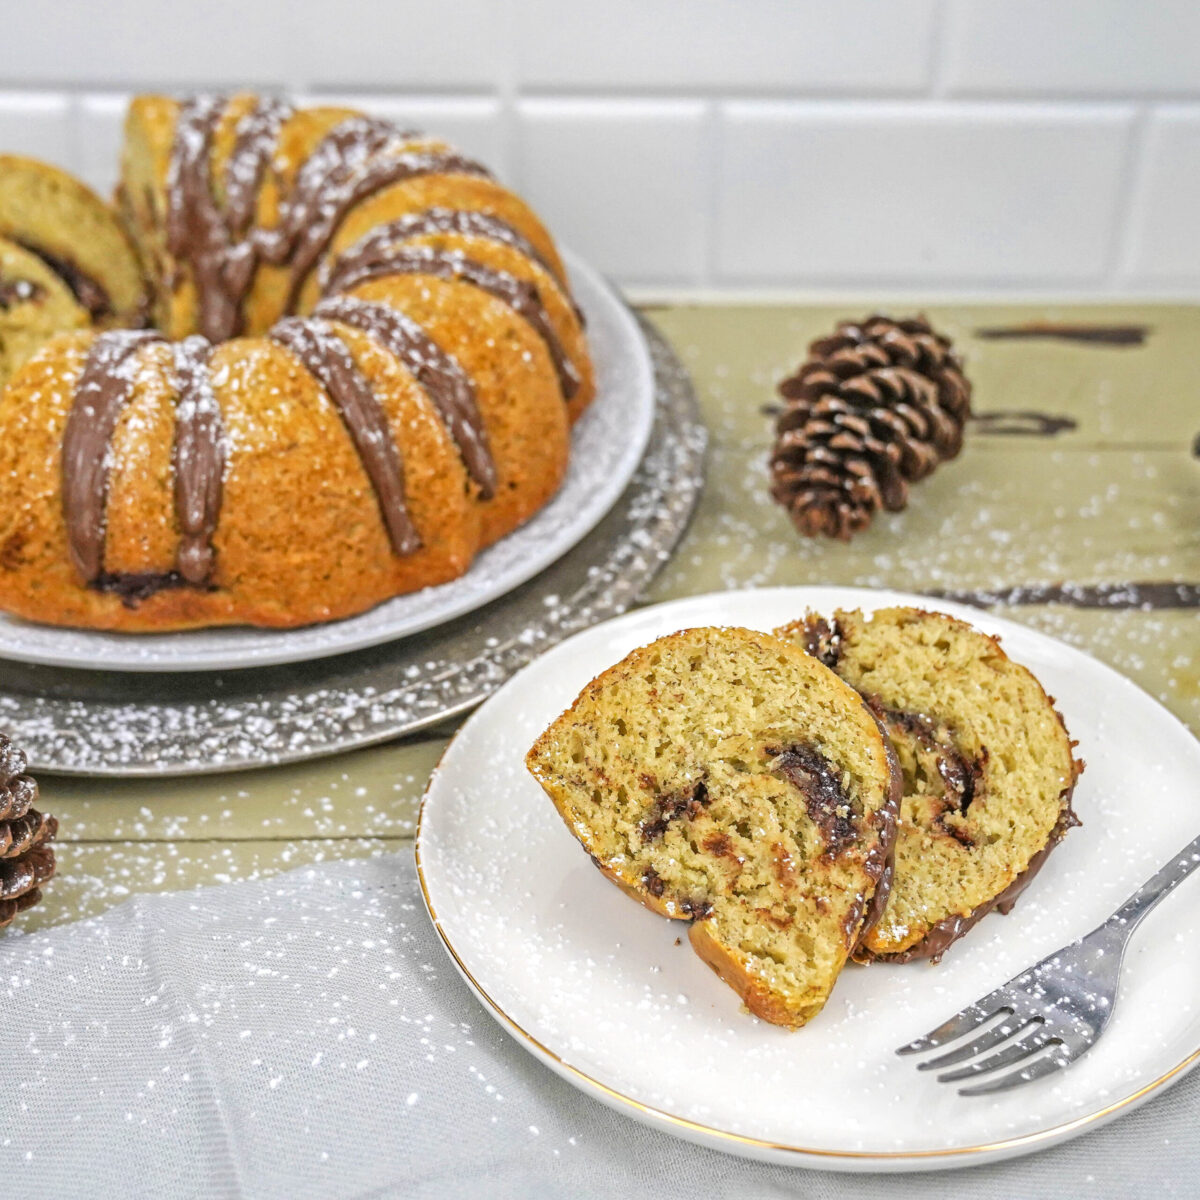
column 464, row 222
column 820, row 783
column 960, row 775
column 325, row 356
column 519, row 295
column 1022, row 423
column 1143, row 596
column 829, row 807
column 1103, row 335
column 199, row 459
column 195, row 226
column 686, row 805
column 103, row 390
column 87, row 290
column 19, row 291
column 443, row 380
column 944, row 933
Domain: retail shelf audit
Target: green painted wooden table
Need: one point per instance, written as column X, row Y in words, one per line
column 1113, row 498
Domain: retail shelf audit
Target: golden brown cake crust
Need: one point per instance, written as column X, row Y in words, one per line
column 301, row 512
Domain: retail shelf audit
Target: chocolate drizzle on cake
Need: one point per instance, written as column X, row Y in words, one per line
column 103, row 390
column 199, row 459
column 461, row 221
column 218, row 246
column 101, row 393
column 366, row 262
column 255, row 140
column 443, row 380
column 356, row 159
column 325, row 356
column 195, row 227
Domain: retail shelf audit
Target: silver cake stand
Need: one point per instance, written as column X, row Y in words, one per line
column 115, row 723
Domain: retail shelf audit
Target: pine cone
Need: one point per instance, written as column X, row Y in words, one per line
column 874, row 408
column 26, row 859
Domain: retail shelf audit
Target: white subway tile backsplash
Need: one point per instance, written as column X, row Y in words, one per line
column 475, row 124
column 623, row 182
column 148, row 43
column 934, row 144
column 37, row 125
column 803, row 45
column 1092, row 47
column 831, row 193
column 386, row 45
column 1165, row 233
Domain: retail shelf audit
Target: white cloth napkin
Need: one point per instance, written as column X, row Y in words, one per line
column 306, row 1037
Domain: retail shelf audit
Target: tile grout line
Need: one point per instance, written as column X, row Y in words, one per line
column 714, row 154
column 944, row 17
column 1131, row 199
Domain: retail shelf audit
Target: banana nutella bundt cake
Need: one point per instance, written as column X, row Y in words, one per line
column 725, row 777
column 988, row 768
column 360, row 366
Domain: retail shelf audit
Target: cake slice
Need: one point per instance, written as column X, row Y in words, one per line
column 988, row 768
column 76, row 234
column 726, row 777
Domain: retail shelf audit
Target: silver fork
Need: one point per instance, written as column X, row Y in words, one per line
column 1054, row 1012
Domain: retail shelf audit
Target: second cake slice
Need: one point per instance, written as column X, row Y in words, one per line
column 987, row 761
column 725, row 777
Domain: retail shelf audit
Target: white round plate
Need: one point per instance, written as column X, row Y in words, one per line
column 603, row 991
column 607, row 445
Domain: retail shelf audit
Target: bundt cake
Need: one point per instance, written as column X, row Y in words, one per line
column 727, row 778
column 360, row 365
column 988, row 767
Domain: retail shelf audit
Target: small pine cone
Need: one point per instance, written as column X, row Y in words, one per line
column 26, row 859
column 874, row 408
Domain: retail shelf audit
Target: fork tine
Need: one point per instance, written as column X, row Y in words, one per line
column 961, row 1023
column 994, row 1035
column 1039, row 1068
column 1014, row 1052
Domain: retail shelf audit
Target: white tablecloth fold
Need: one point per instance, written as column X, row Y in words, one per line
column 306, row 1037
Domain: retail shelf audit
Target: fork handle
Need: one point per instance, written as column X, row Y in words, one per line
column 1125, row 920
